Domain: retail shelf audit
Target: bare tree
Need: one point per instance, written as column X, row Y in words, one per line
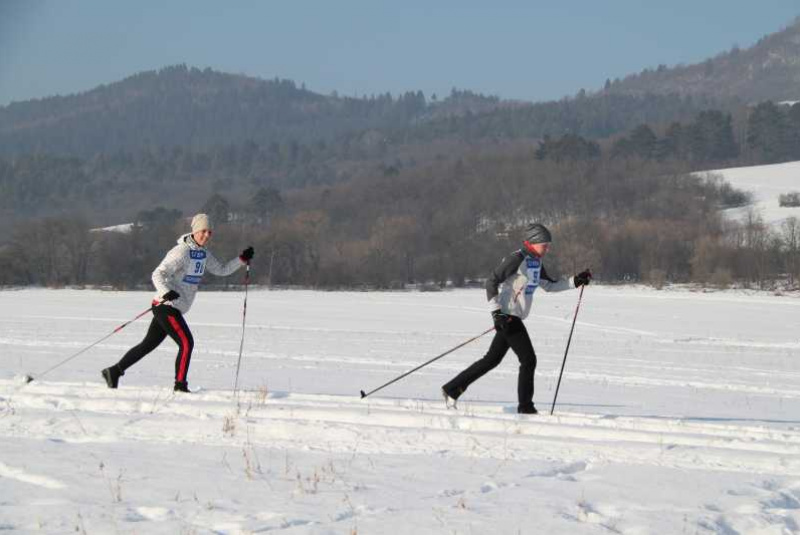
column 790, row 233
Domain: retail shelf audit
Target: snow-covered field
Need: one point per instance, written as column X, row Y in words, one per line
column 766, row 183
column 679, row 413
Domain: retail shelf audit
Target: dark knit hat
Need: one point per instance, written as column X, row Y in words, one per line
column 537, row 233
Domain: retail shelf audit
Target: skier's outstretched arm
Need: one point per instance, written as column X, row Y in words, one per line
column 549, row 284
column 223, row 270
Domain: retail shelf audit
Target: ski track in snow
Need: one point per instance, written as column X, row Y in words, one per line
column 24, row 476
column 573, row 447
column 342, row 424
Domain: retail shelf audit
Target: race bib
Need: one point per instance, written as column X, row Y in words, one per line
column 196, row 267
column 533, row 272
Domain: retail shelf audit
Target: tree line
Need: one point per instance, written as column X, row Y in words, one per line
column 444, row 223
column 37, row 185
column 381, row 208
column 764, row 134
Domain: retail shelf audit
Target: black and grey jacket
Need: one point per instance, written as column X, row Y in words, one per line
column 512, row 284
column 183, row 268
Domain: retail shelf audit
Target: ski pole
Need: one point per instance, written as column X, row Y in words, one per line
column 580, row 296
column 462, row 344
column 30, row 378
column 487, row 331
column 244, row 316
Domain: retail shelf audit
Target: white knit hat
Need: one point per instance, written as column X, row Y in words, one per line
column 200, row 222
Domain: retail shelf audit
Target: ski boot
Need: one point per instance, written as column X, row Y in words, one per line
column 112, row 375
column 527, row 409
column 449, row 400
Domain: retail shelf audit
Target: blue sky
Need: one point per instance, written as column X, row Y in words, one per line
column 529, row 50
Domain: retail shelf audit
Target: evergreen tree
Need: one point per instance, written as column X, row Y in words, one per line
column 642, row 142
column 793, row 119
column 672, row 145
column 158, row 216
column 714, row 131
column 218, row 209
column 265, row 203
column 569, row 147
column 768, row 133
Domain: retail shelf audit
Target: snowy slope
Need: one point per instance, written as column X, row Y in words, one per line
column 766, row 183
column 679, row 413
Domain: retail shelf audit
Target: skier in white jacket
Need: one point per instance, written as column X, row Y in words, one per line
column 510, row 290
column 176, row 279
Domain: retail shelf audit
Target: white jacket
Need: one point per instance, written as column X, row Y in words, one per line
column 512, row 284
column 183, row 268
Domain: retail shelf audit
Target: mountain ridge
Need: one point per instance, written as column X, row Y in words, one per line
column 202, row 108
column 768, row 70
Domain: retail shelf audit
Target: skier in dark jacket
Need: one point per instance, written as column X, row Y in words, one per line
column 176, row 279
column 510, row 292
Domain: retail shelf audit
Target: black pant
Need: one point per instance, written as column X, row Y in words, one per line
column 514, row 336
column 167, row 321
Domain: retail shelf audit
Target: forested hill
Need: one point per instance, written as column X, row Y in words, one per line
column 769, row 70
column 199, row 109
column 193, row 108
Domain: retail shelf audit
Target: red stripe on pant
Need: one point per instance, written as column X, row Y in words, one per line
column 184, row 348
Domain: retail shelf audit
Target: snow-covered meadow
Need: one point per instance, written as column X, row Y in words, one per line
column 766, row 183
column 679, row 413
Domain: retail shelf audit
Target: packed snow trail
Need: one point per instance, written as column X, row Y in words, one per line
column 93, row 413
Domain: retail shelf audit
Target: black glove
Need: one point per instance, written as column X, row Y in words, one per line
column 247, row 255
column 582, row 278
column 500, row 320
column 171, row 295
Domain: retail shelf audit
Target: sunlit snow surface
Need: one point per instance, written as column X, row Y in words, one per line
column 766, row 183
column 679, row 412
